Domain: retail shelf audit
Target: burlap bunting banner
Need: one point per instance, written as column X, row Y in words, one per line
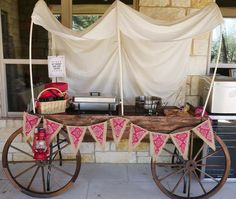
column 52, row 129
column 99, row 132
column 29, row 124
column 181, row 141
column 137, row 133
column 118, row 126
column 76, row 135
column 157, row 143
column 205, row 132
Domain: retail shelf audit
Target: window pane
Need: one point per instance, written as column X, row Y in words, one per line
column 80, row 22
column 18, row 84
column 228, row 48
column 16, row 19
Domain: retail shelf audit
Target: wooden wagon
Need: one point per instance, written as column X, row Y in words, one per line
column 176, row 177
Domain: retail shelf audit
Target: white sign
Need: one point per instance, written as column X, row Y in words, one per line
column 56, row 66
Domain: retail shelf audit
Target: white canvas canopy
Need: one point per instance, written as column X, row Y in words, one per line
column 127, row 53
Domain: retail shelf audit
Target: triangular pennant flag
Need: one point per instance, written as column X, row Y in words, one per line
column 99, row 132
column 181, row 141
column 137, row 133
column 118, row 125
column 29, row 124
column 157, row 142
column 52, row 129
column 205, row 132
column 76, row 135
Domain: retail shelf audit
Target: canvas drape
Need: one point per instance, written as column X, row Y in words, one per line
column 154, row 54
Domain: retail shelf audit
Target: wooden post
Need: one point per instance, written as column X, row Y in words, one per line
column 66, row 13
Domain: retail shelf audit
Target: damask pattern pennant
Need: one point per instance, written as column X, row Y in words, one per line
column 99, row 132
column 76, row 135
column 137, row 133
column 118, row 126
column 52, row 129
column 29, row 124
column 181, row 141
column 157, row 143
column 206, row 133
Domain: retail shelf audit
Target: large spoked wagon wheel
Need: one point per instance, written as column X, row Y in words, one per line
column 40, row 178
column 198, row 177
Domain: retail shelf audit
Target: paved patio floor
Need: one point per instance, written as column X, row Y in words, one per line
column 111, row 181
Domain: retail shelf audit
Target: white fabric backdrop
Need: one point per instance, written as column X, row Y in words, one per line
column 154, row 54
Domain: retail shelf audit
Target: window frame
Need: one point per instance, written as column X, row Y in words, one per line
column 226, row 13
column 3, row 65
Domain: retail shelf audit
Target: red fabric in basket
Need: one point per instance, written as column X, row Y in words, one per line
column 62, row 86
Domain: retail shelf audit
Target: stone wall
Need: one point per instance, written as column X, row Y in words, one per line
column 158, row 9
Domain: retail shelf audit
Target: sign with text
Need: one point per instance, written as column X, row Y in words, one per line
column 56, row 66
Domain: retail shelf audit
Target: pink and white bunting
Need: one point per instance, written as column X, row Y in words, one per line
column 29, row 124
column 76, row 135
column 137, row 133
column 205, row 132
column 118, row 126
column 99, row 132
column 157, row 143
column 52, row 129
column 181, row 141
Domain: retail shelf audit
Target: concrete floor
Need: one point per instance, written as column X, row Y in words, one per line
column 111, row 181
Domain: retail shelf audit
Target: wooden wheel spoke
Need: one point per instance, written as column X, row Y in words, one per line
column 199, row 151
column 210, row 165
column 173, row 154
column 32, row 179
column 24, row 171
column 171, row 174
column 209, row 155
column 179, row 181
column 169, row 165
column 64, row 160
column 62, row 170
column 199, row 182
column 189, row 183
column 21, row 151
column 21, row 161
column 207, row 175
column 191, row 147
column 43, row 179
column 60, row 142
column 57, row 151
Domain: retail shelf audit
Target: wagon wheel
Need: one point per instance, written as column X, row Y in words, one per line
column 194, row 178
column 40, row 178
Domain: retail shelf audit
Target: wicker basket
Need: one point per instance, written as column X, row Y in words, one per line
column 51, row 107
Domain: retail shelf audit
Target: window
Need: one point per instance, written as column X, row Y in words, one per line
column 228, row 48
column 15, row 17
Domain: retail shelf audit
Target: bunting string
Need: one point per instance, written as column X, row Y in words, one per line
column 118, row 126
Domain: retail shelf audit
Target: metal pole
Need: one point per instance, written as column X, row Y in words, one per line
column 30, row 66
column 214, row 74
